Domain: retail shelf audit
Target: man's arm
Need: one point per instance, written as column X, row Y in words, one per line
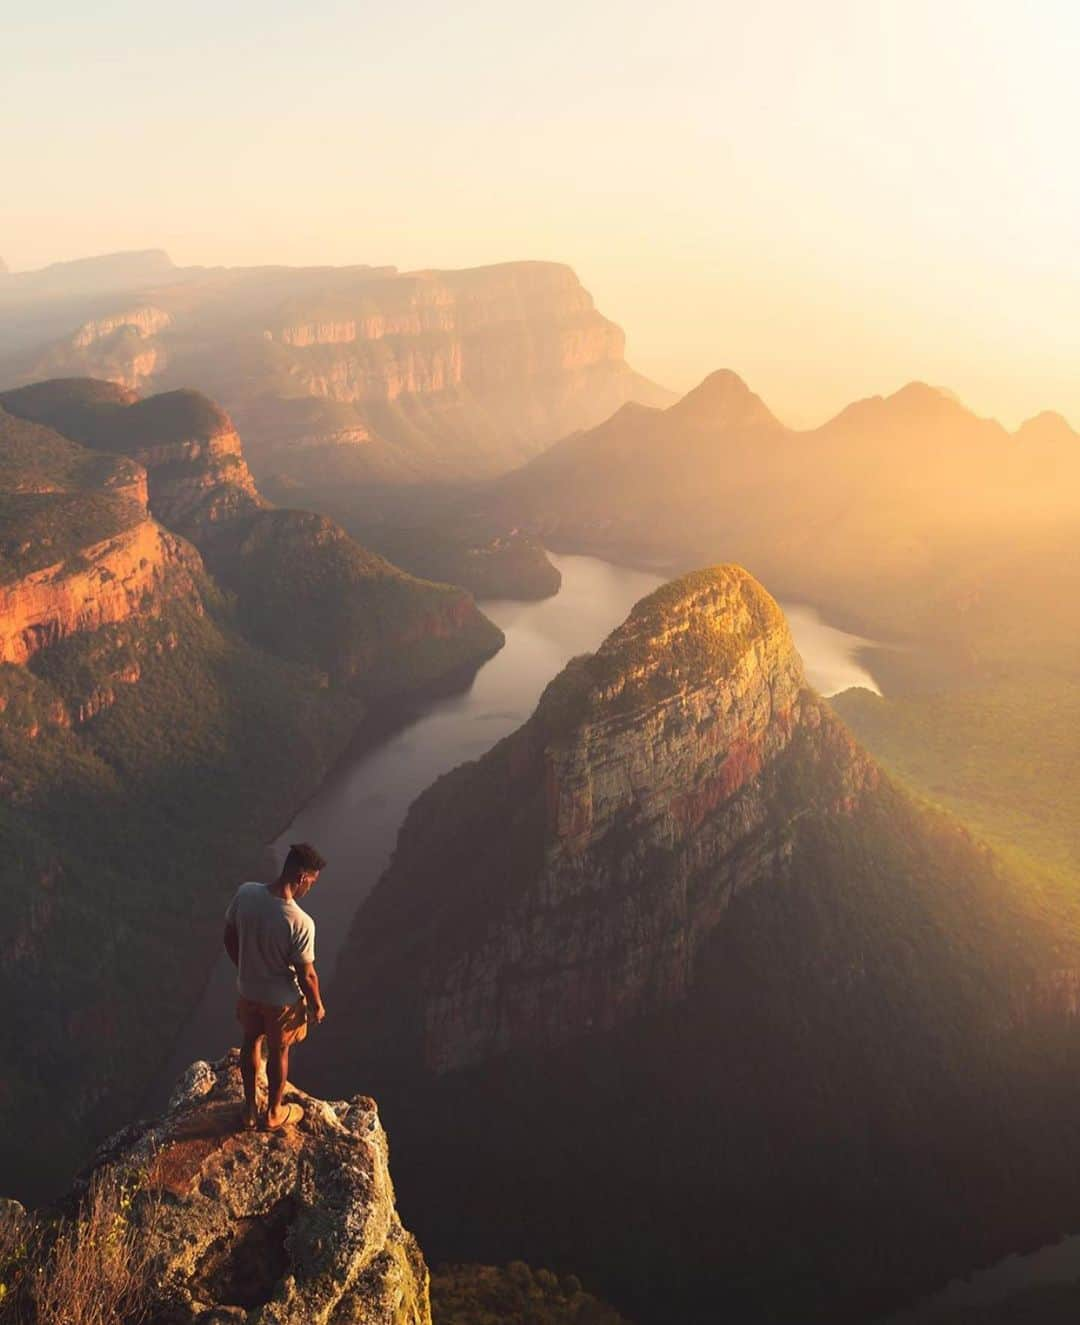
column 232, row 942
column 309, row 983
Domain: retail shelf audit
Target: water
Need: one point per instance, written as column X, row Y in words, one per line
column 354, row 817
column 832, row 657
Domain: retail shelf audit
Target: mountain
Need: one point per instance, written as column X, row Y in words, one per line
column 674, row 985
column 908, row 515
column 179, row 666
column 243, row 1226
column 343, row 376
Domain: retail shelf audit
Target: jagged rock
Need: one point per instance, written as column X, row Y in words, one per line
column 291, row 1228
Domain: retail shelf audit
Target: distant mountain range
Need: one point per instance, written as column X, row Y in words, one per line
column 674, row 984
column 908, row 515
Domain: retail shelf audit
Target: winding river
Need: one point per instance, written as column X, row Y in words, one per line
column 354, row 816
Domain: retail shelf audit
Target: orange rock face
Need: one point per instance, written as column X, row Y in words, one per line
column 121, row 577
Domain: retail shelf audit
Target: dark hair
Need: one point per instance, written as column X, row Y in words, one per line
column 302, row 858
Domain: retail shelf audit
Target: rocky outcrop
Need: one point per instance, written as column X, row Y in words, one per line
column 294, row 1228
column 131, row 574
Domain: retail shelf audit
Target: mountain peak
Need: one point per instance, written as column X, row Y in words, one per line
column 712, row 628
column 920, row 397
column 1047, row 426
column 722, row 400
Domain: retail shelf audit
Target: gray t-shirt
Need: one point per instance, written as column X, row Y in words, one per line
column 275, row 935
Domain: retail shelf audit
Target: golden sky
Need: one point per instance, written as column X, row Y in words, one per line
column 829, row 196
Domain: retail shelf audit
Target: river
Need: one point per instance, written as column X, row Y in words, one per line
column 354, row 817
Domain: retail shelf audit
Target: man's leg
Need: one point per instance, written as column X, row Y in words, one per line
column 277, row 1074
column 249, row 1066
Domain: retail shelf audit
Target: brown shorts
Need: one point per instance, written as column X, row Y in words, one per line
column 281, row 1025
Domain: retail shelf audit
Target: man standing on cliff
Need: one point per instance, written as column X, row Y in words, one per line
column 271, row 942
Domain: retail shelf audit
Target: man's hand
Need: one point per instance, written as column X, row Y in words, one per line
column 309, row 983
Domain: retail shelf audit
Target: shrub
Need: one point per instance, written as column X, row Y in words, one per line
column 89, row 1268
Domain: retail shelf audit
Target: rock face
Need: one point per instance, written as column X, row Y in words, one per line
column 130, row 574
column 679, row 968
column 79, row 549
column 297, row 1228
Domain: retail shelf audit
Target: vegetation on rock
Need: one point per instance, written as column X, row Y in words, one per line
column 513, row 1295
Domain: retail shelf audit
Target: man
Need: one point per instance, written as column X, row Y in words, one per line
column 271, row 942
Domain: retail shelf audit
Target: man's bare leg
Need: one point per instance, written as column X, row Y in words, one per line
column 277, row 1074
column 249, row 1066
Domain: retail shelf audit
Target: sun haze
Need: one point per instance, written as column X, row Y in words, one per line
column 831, row 198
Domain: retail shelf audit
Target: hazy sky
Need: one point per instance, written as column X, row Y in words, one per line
column 829, row 196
